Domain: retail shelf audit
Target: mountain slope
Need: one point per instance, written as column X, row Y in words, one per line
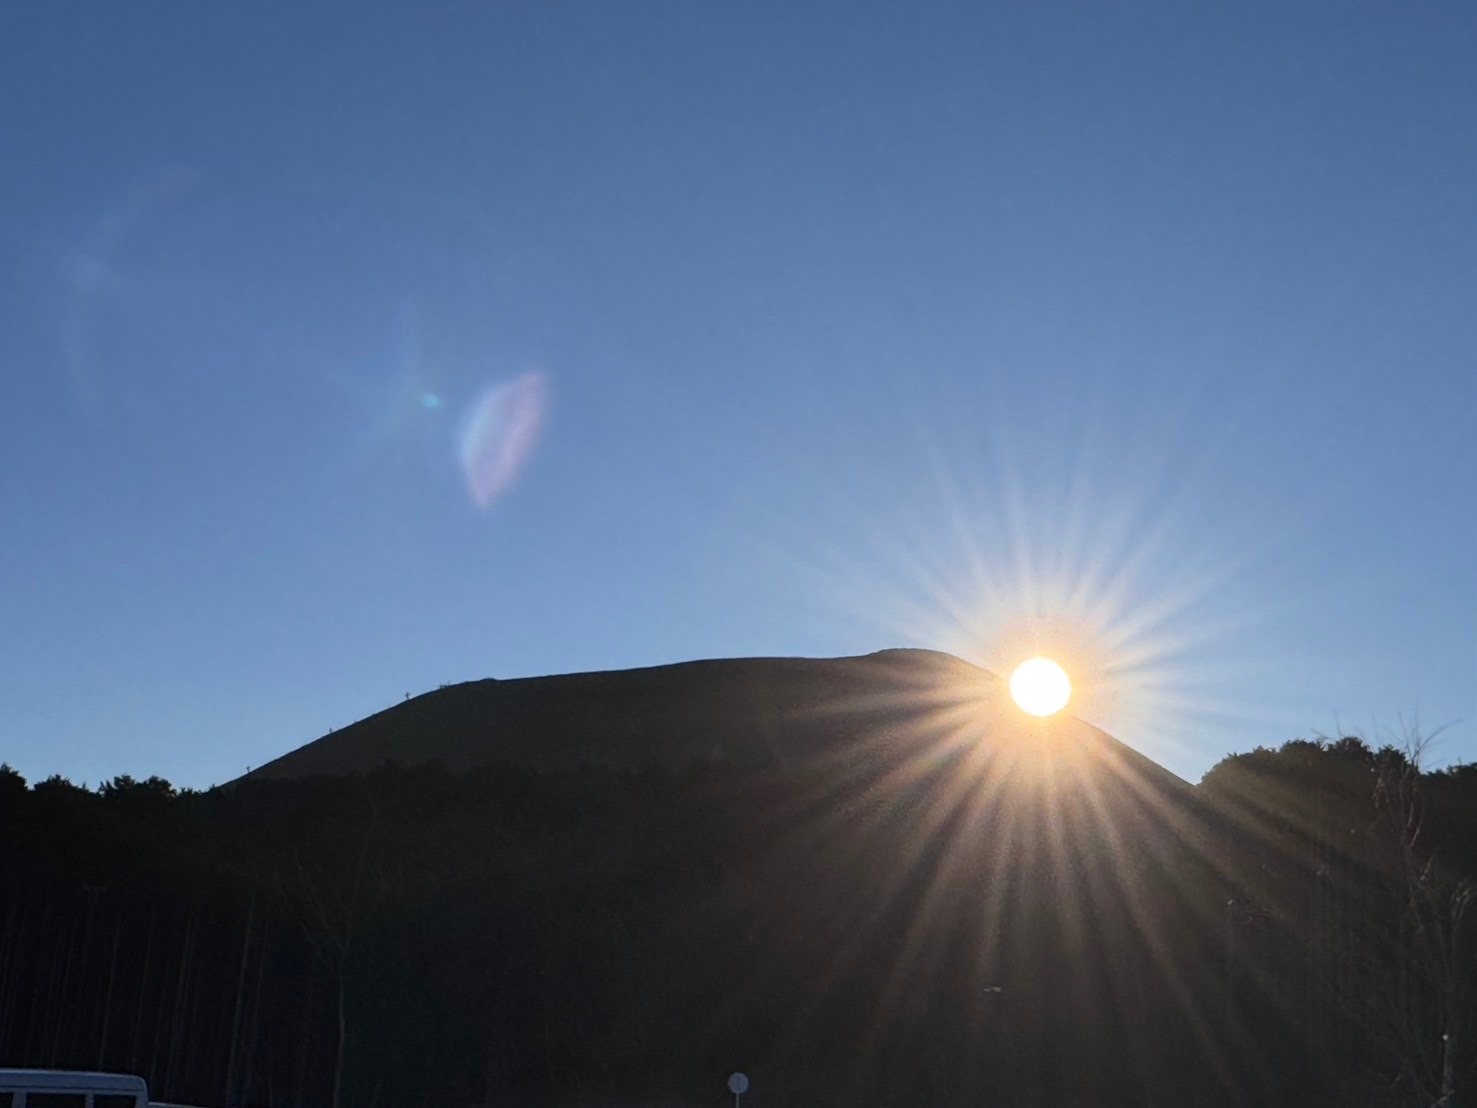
column 878, row 710
column 862, row 872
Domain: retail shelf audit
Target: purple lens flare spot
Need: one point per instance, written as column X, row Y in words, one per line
column 500, row 434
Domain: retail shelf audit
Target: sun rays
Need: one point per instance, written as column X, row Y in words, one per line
column 1095, row 554
column 996, row 819
column 1102, row 563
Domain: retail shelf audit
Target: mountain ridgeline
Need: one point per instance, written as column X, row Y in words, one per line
column 747, row 713
column 860, row 879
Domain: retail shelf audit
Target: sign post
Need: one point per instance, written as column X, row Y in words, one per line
column 738, row 1085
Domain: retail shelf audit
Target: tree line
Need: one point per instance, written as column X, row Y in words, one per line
column 1300, row 928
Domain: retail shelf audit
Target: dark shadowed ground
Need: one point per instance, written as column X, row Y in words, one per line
column 860, row 880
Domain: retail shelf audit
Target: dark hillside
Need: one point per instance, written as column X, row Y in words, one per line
column 746, row 712
column 749, row 712
column 866, row 879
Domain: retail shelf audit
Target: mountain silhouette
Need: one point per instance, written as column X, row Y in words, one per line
column 887, row 833
column 856, row 879
column 877, row 712
column 868, row 879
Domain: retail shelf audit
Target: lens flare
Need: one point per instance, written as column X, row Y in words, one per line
column 500, row 434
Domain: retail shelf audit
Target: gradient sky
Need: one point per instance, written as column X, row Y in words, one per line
column 352, row 349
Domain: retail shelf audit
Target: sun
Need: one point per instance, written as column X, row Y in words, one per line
column 1040, row 687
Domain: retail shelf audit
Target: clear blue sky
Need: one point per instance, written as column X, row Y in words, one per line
column 353, row 349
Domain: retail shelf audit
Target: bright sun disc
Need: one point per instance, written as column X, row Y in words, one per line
column 1040, row 687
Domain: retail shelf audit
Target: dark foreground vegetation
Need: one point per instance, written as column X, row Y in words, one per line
column 1299, row 929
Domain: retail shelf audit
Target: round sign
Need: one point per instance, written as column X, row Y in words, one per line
column 738, row 1084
